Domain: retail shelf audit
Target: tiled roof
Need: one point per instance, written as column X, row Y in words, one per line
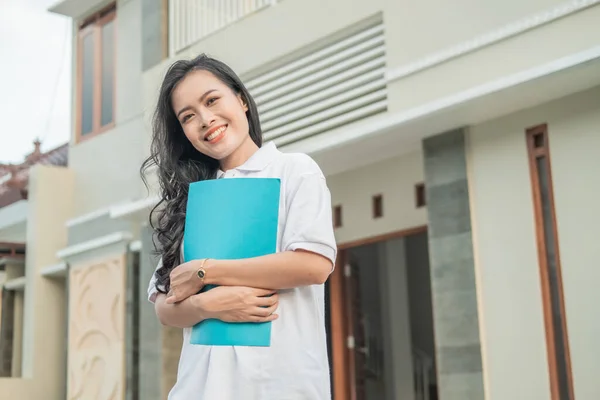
column 15, row 177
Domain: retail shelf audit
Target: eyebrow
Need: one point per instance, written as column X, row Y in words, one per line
column 184, row 109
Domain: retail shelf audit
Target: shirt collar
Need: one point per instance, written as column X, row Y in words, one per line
column 259, row 160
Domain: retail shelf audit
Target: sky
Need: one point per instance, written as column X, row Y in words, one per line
column 35, row 78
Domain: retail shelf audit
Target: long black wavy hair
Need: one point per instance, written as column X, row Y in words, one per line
column 179, row 163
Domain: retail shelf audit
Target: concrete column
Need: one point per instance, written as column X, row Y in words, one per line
column 44, row 317
column 457, row 339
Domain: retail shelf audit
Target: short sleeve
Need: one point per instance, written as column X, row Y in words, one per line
column 308, row 225
column 152, row 291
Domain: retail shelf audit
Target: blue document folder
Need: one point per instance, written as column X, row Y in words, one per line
column 229, row 219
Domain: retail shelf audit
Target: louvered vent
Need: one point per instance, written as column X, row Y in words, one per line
column 334, row 86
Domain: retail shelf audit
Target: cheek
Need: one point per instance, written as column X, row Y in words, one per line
column 191, row 133
column 241, row 120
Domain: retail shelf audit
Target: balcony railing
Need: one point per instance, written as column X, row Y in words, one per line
column 192, row 20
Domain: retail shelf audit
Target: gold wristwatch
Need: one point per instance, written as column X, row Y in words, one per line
column 201, row 271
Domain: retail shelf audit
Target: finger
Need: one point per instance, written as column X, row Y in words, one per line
column 174, row 296
column 171, row 299
column 269, row 318
column 264, row 311
column 267, row 301
column 263, row 292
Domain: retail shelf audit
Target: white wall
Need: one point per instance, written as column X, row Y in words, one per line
column 408, row 25
column 574, row 143
column 107, row 166
column 413, row 31
column 395, row 179
column 511, row 316
column 546, row 43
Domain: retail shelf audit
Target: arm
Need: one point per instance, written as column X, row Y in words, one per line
column 180, row 315
column 308, row 248
column 227, row 303
column 283, row 270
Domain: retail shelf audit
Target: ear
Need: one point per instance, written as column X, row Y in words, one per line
column 243, row 103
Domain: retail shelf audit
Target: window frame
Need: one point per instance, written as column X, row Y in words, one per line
column 541, row 150
column 93, row 26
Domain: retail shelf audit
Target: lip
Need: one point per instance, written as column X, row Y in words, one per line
column 213, row 130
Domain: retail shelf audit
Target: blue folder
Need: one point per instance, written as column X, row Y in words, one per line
column 229, row 219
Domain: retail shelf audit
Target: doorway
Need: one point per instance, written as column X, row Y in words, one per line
column 381, row 320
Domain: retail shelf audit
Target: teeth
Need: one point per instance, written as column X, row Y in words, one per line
column 215, row 133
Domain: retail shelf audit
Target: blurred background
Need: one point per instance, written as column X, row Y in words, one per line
column 459, row 140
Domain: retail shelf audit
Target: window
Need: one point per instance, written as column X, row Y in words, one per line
column 557, row 343
column 420, row 198
column 337, row 216
column 377, row 206
column 96, row 74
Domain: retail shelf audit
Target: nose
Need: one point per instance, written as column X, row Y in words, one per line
column 207, row 118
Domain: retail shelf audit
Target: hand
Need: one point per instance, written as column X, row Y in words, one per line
column 184, row 281
column 238, row 304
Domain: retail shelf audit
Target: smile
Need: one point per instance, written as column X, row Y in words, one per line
column 215, row 135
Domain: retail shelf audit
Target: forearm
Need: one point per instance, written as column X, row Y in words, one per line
column 180, row 315
column 283, row 270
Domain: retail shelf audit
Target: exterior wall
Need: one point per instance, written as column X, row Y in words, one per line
column 108, row 164
column 410, row 32
column 459, row 21
column 565, row 36
column 409, row 40
column 97, row 330
column 506, row 252
column 574, row 142
column 453, row 282
column 44, row 316
column 395, row 179
column 13, row 222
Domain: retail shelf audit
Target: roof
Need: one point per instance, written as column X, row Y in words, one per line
column 14, row 178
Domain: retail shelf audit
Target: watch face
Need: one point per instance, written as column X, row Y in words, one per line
column 201, row 273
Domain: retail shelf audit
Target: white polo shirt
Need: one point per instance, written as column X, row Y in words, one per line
column 295, row 366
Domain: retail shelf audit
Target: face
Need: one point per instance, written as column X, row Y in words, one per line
column 213, row 116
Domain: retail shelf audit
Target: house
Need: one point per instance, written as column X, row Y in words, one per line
column 34, row 201
column 459, row 146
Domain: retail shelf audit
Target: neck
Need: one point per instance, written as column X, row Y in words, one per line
column 239, row 155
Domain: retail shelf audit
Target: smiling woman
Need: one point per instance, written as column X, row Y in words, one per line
column 206, row 126
column 215, row 123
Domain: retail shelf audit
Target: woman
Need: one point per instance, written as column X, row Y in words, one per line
column 206, row 126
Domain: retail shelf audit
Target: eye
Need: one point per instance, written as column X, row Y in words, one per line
column 186, row 118
column 211, row 101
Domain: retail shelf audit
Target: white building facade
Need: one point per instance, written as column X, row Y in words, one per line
column 458, row 140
